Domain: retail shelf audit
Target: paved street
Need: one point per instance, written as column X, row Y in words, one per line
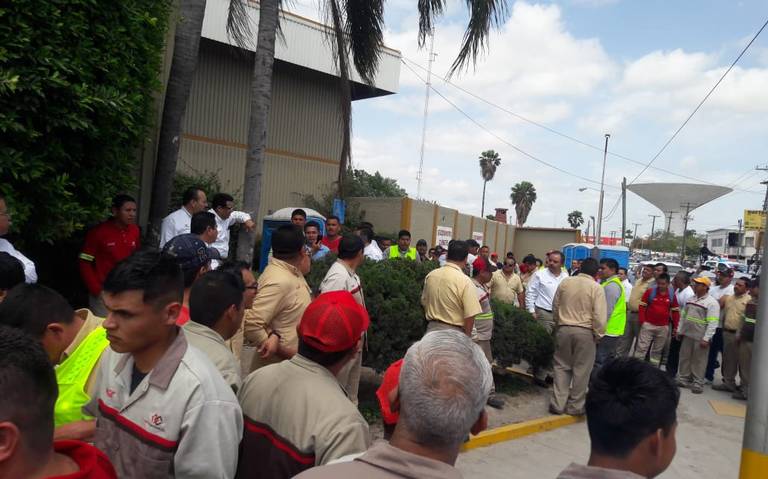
column 708, row 446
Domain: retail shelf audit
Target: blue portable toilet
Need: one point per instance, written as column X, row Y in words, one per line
column 277, row 219
column 573, row 251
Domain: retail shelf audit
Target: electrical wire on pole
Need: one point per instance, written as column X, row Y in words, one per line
column 428, row 83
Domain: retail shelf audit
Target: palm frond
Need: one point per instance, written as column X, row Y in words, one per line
column 364, row 28
column 483, row 15
column 239, row 24
column 429, row 10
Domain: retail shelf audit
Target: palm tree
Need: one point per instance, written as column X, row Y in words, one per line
column 356, row 32
column 183, row 65
column 489, row 161
column 523, row 197
column 575, row 219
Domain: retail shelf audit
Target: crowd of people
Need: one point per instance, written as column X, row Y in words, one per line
column 187, row 365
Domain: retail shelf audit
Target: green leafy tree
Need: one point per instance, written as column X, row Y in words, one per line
column 359, row 183
column 489, row 160
column 523, row 196
column 76, row 85
column 575, row 219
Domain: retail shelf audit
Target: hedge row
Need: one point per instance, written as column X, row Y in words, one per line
column 392, row 296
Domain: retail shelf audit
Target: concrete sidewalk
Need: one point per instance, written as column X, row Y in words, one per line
column 708, row 446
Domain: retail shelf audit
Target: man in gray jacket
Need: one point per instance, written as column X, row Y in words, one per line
column 444, row 384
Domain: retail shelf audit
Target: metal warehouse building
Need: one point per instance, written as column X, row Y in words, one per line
column 304, row 135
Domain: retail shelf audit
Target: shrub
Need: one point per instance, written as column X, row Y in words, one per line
column 76, row 85
column 393, row 299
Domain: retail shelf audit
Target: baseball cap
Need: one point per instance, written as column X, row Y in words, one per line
column 703, row 280
column 388, row 384
column 480, row 264
column 190, row 252
column 333, row 322
column 494, row 255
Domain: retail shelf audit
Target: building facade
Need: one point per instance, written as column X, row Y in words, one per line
column 732, row 243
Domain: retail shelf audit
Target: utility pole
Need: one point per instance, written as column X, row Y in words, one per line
column 431, row 59
column 669, row 220
column 741, row 239
column 634, row 235
column 599, row 228
column 623, row 210
column 687, row 207
column 754, row 450
column 653, row 223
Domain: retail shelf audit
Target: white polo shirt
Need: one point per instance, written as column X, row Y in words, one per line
column 222, row 240
column 175, row 224
column 541, row 289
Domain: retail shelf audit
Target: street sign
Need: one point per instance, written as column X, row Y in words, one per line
column 754, row 220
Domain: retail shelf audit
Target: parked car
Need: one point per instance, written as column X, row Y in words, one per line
column 672, row 268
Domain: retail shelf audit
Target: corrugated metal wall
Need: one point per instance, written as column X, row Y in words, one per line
column 304, row 135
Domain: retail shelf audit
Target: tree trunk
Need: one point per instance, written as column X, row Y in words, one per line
column 261, row 100
column 183, row 65
column 482, row 208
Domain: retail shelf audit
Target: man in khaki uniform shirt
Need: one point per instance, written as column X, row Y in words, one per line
column 632, row 330
column 283, row 295
column 506, row 285
column 449, row 297
column 579, row 310
column 296, row 414
column 733, row 310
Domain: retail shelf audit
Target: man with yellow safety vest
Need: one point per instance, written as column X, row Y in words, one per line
column 697, row 326
column 402, row 249
column 616, row 309
column 74, row 342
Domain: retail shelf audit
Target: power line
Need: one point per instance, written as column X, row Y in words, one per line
column 561, row 134
column 499, row 138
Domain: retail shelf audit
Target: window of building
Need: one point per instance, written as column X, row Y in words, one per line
column 717, row 243
column 749, row 242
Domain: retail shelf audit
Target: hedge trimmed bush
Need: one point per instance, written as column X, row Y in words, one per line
column 393, row 299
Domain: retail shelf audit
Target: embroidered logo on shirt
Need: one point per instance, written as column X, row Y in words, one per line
column 156, row 420
column 110, row 393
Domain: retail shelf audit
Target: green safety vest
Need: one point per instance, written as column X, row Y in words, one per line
column 72, row 377
column 394, row 253
column 618, row 320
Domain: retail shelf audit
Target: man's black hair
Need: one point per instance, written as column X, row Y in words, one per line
column 529, row 259
column 32, row 307
column 312, row 224
column 621, row 268
column 472, row 243
column 190, row 194
column 28, row 389
column 589, row 266
column 201, row 221
column 350, row 246
column 11, row 271
column 366, row 234
column 746, row 280
column 287, row 242
column 119, row 200
column 662, row 265
column 684, row 277
column 234, row 267
column 610, row 263
column 320, row 357
column 403, row 234
column 213, row 294
column 157, row 275
column 628, row 401
column 299, row 212
column 365, row 224
column 221, row 199
column 421, row 242
column 333, row 217
column 663, row 277
column 561, row 255
column 457, row 250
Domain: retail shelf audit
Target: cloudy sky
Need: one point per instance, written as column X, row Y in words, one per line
column 634, row 69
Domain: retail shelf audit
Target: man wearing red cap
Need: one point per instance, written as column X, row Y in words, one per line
column 482, row 270
column 296, row 415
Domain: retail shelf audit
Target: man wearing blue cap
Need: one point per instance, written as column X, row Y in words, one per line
column 194, row 258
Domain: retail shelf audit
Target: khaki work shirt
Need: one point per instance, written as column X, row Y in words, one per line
column 213, row 346
column 296, row 416
column 341, row 277
column 577, row 471
column 181, row 421
column 282, row 297
column 383, row 461
column 90, row 322
column 506, row 288
column 580, row 301
column 638, row 289
column 449, row 296
column 733, row 310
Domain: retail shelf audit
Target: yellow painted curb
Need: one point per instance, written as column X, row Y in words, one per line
column 516, row 431
column 753, row 464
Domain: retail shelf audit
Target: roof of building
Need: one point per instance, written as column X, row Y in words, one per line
column 306, row 44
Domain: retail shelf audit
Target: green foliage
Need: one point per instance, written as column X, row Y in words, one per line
column 575, row 219
column 209, row 182
column 670, row 242
column 393, row 299
column 76, row 84
column 358, row 183
column 523, row 196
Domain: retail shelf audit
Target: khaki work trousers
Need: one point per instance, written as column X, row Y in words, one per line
column 485, row 345
column 693, row 361
column 574, row 358
column 730, row 359
column 546, row 319
column 349, row 376
column 651, row 338
column 631, row 332
column 745, row 364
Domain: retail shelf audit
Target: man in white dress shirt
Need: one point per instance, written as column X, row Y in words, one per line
column 178, row 222
column 371, row 250
column 30, row 273
column 542, row 287
column 224, row 210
